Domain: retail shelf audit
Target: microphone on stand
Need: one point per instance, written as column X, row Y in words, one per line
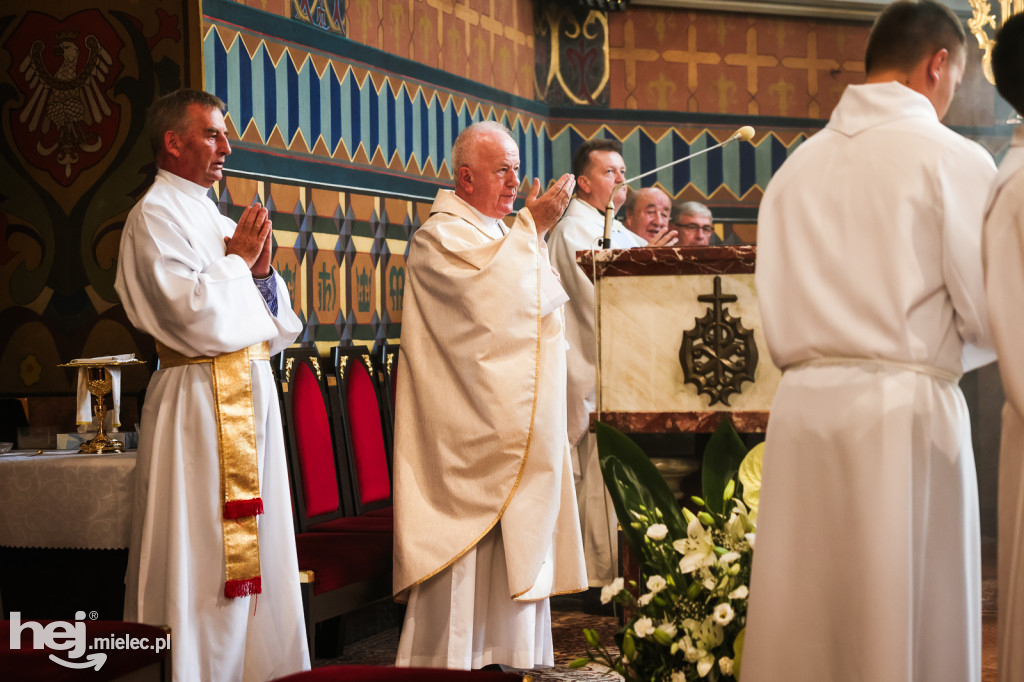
column 745, row 133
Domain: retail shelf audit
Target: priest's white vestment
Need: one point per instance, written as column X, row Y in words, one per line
column 177, row 284
column 481, row 453
column 1004, row 284
column 867, row 564
column 581, row 228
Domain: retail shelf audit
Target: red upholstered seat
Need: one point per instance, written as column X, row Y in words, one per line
column 366, row 523
column 341, row 559
column 370, row 673
column 348, row 556
column 312, row 434
column 28, row 663
column 362, row 407
column 366, row 425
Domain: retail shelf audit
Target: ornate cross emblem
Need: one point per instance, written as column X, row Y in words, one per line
column 718, row 354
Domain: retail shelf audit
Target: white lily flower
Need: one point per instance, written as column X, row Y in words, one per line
column 740, row 592
column 643, row 627
column 645, row 599
column 750, row 539
column 657, row 531
column 724, row 614
column 709, row 634
column 668, row 628
column 698, row 549
column 609, row 591
column 705, row 663
column 728, row 557
column 725, row 665
column 656, row 584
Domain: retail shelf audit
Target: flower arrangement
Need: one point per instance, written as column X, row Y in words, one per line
column 687, row 622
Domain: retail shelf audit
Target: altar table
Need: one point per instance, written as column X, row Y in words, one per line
column 65, row 521
column 67, row 500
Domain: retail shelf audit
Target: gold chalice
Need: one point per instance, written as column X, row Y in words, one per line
column 99, row 387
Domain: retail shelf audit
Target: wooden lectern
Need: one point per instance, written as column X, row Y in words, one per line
column 679, row 339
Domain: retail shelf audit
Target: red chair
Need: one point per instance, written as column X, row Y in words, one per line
column 344, row 565
column 370, row 673
column 363, row 419
column 313, row 441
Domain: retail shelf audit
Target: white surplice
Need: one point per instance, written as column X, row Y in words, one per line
column 480, row 444
column 1004, row 284
column 581, row 228
column 867, row 564
column 177, row 284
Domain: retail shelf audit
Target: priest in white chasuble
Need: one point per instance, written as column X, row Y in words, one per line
column 868, row 556
column 1004, row 284
column 485, row 510
column 598, row 167
column 212, row 550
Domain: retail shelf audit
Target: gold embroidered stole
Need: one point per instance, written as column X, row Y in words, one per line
column 239, row 473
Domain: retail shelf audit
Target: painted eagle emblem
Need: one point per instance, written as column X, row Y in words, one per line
column 69, row 98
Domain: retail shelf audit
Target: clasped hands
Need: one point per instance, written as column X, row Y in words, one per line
column 252, row 240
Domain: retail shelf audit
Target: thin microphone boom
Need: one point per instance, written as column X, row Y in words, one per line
column 744, row 133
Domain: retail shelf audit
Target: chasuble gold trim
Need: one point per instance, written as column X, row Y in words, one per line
column 529, row 437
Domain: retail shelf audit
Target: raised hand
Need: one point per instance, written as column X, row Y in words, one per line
column 549, row 207
column 251, row 240
column 664, row 237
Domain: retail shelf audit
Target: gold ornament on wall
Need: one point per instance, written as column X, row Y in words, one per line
column 983, row 19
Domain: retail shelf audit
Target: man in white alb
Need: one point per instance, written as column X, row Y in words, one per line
column 1004, row 284
column 868, row 557
column 485, row 512
column 212, row 520
column 598, row 167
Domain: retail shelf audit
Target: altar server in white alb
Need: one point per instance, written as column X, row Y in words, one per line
column 485, row 512
column 867, row 565
column 212, row 551
column 598, row 168
column 1004, row 283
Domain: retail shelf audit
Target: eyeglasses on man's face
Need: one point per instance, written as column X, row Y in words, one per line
column 694, row 227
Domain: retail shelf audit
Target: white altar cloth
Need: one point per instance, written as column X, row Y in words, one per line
column 63, row 499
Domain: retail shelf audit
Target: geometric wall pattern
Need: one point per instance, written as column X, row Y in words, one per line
column 376, row 126
column 347, row 150
column 342, row 255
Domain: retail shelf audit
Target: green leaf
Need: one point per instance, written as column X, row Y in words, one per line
column 629, row 647
column 722, row 456
column 737, row 651
column 637, row 489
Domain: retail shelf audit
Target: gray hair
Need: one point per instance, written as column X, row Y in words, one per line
column 463, row 147
column 170, row 112
column 633, row 202
column 689, row 208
